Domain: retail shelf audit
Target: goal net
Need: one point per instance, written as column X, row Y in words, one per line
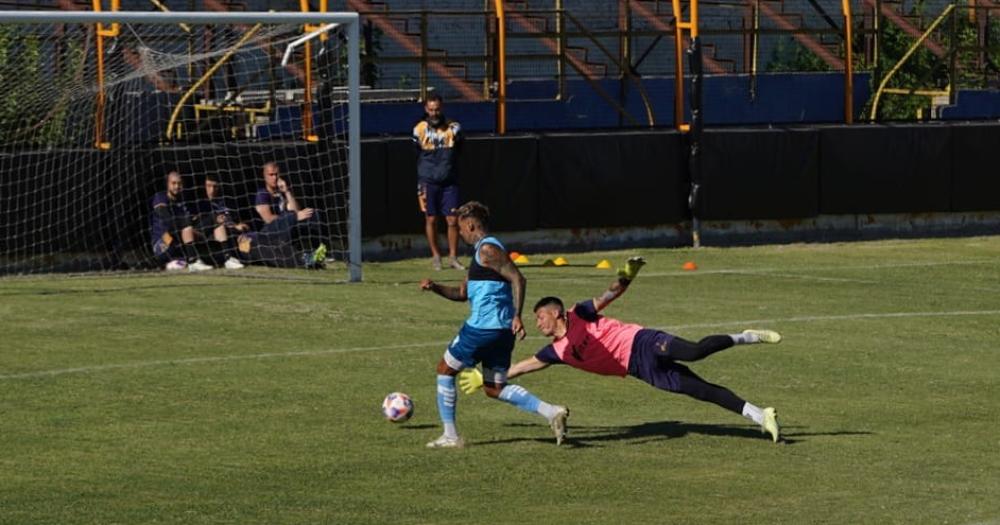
column 178, row 141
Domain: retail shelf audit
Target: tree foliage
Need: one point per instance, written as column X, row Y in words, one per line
column 37, row 80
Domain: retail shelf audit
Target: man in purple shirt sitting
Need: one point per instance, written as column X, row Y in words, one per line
column 216, row 222
column 283, row 218
column 171, row 228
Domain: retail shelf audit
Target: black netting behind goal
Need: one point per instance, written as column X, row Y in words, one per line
column 149, row 146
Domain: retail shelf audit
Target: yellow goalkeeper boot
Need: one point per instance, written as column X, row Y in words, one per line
column 770, row 424
column 764, row 336
column 319, row 256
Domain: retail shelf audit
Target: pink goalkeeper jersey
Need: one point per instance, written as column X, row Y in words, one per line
column 601, row 345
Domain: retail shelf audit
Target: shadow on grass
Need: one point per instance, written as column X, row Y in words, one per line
column 589, row 436
column 424, row 426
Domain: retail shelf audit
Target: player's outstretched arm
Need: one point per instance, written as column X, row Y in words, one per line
column 453, row 293
column 625, row 277
column 471, row 379
column 526, row 366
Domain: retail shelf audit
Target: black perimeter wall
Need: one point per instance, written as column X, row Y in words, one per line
column 641, row 178
column 551, row 180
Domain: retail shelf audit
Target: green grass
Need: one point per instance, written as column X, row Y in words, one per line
column 254, row 397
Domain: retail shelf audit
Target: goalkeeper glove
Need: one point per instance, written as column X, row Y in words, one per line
column 631, row 269
column 470, row 380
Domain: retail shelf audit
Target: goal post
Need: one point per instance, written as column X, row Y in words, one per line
column 98, row 109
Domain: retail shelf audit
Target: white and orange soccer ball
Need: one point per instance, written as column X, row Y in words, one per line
column 397, row 407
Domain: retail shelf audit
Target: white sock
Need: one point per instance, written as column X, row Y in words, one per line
column 753, row 413
column 546, row 410
column 452, row 432
column 744, row 339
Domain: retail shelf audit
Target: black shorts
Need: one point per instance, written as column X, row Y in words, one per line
column 650, row 364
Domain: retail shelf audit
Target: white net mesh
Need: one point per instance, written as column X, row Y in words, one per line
column 91, row 127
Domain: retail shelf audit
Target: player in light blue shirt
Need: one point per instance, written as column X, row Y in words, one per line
column 494, row 289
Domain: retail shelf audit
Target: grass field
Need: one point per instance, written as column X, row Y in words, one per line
column 254, row 397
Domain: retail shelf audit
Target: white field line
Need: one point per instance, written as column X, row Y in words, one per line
column 846, row 317
column 215, row 359
column 443, row 344
column 797, row 276
column 784, row 271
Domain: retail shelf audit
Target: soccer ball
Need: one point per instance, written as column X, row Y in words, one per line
column 397, row 407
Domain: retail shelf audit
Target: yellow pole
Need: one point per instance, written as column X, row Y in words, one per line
column 678, row 66
column 693, row 24
column 848, row 64
column 102, row 32
column 307, row 113
column 560, row 50
column 502, row 73
column 99, row 142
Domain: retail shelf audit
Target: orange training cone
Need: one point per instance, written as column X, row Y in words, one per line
column 690, row 266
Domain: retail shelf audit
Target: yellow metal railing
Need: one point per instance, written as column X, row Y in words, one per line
column 913, row 49
column 207, row 75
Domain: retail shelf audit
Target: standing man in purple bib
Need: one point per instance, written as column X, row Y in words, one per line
column 438, row 140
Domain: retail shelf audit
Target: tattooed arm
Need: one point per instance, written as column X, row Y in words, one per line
column 613, row 292
column 617, row 288
column 495, row 258
column 453, row 293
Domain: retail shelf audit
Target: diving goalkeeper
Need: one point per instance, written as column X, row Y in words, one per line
column 584, row 339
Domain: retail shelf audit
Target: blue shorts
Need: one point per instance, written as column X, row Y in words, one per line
column 492, row 347
column 437, row 200
column 650, row 364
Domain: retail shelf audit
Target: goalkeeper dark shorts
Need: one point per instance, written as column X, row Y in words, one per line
column 648, row 364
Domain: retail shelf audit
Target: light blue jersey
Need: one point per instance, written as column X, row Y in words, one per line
column 491, row 300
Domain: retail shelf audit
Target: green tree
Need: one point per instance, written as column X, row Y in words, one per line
column 791, row 56
column 35, row 96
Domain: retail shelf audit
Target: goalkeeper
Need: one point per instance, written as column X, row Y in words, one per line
column 584, row 339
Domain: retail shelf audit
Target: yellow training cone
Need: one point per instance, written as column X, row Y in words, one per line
column 560, row 261
column 604, row 264
column 521, row 259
